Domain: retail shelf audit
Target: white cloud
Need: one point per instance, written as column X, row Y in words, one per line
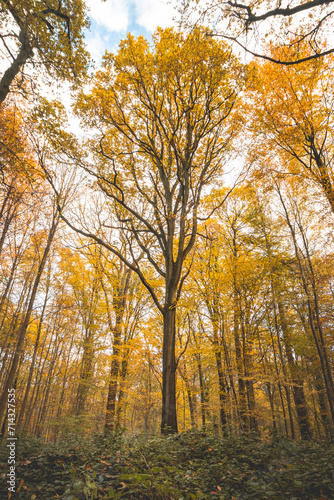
column 96, row 45
column 118, row 15
column 112, row 14
column 153, row 13
column 113, row 18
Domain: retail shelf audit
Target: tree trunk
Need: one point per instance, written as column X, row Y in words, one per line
column 148, row 400
column 189, row 394
column 236, row 331
column 240, row 370
column 8, row 220
column 202, row 390
column 223, row 388
column 272, row 404
column 213, row 309
column 120, row 412
column 113, row 382
column 169, row 419
column 85, row 373
column 23, row 55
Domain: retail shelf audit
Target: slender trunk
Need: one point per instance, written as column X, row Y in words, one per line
column 248, row 371
column 272, row 404
column 202, row 390
column 251, row 405
column 86, row 372
column 121, row 393
column 240, row 370
column 223, row 388
column 6, row 199
column 230, row 371
column 236, row 331
column 189, row 394
column 148, row 405
column 113, row 382
column 213, row 309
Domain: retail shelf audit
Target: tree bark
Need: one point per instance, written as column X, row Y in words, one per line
column 169, row 419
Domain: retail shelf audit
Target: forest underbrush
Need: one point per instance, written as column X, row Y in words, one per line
column 195, row 465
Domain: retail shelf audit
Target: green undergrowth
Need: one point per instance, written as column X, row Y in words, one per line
column 193, row 465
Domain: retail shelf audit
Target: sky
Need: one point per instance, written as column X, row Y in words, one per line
column 112, row 20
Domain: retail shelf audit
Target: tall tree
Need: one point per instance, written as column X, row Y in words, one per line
column 164, row 116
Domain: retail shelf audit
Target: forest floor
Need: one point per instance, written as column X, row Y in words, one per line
column 193, row 465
